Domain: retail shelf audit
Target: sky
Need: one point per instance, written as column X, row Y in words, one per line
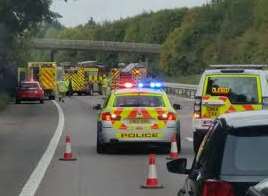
column 76, row 12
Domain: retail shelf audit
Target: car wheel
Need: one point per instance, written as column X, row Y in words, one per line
column 17, row 101
column 100, row 145
column 41, row 101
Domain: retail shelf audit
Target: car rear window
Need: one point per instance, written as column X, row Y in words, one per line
column 239, row 89
column 139, row 101
column 246, row 152
column 29, row 85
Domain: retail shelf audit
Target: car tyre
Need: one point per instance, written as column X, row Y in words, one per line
column 41, row 101
column 17, row 101
column 100, row 145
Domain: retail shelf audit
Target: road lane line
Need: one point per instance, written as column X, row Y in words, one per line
column 37, row 175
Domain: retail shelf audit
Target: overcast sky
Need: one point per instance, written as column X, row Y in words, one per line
column 77, row 12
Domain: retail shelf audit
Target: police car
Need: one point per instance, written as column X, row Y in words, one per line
column 137, row 115
column 228, row 88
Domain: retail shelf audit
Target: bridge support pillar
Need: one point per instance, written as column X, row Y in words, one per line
column 52, row 55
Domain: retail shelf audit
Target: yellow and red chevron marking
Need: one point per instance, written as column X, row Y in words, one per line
column 133, row 113
column 115, row 77
column 48, row 78
column 78, row 79
column 227, row 107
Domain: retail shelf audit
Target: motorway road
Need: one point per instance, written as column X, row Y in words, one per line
column 25, row 133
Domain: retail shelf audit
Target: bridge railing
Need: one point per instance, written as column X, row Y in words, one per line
column 182, row 90
column 59, row 44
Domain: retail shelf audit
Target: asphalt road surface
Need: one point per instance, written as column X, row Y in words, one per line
column 27, row 129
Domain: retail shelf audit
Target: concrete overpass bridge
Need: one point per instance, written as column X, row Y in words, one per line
column 87, row 45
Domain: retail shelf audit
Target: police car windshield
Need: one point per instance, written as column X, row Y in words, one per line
column 239, row 89
column 139, row 101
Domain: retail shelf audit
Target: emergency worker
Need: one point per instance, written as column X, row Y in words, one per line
column 70, row 88
column 61, row 89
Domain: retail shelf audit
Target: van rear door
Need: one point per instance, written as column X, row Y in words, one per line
column 224, row 93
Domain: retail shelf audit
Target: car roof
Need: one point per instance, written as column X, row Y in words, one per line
column 246, row 119
column 138, row 90
column 234, row 71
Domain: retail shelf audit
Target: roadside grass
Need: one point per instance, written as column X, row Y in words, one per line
column 4, row 98
column 191, row 79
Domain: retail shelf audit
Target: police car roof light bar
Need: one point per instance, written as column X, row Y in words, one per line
column 239, row 66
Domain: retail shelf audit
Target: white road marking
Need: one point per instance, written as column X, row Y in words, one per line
column 189, row 139
column 36, row 177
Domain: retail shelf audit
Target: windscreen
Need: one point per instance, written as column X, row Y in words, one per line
column 29, row 85
column 139, row 101
column 239, row 89
column 246, row 151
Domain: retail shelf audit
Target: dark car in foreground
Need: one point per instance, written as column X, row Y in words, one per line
column 29, row 91
column 231, row 158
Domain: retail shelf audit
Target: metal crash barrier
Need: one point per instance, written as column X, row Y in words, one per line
column 181, row 90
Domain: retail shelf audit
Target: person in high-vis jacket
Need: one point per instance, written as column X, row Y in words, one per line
column 62, row 88
column 105, row 85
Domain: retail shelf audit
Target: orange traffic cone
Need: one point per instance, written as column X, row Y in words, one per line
column 68, row 155
column 173, row 155
column 152, row 180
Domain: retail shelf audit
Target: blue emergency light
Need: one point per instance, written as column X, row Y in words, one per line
column 150, row 84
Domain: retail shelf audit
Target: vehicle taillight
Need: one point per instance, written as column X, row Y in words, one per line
column 115, row 117
column 217, row 188
column 107, row 116
column 197, row 107
column 167, row 116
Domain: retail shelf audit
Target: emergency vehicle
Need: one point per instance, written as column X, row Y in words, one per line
column 86, row 77
column 225, row 89
column 134, row 115
column 43, row 72
column 132, row 73
column 76, row 77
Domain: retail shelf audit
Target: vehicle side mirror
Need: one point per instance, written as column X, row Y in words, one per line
column 178, row 166
column 177, row 106
column 97, row 107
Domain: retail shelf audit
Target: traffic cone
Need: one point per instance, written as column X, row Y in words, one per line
column 68, row 155
column 152, row 180
column 173, row 155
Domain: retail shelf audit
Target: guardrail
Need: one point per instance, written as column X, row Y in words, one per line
column 182, row 90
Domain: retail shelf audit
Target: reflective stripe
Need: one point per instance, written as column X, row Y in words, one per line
column 47, row 78
column 227, row 106
column 132, row 113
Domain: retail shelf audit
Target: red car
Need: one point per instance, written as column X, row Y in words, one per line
column 29, row 91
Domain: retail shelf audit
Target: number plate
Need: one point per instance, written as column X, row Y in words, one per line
column 138, row 121
column 213, row 111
